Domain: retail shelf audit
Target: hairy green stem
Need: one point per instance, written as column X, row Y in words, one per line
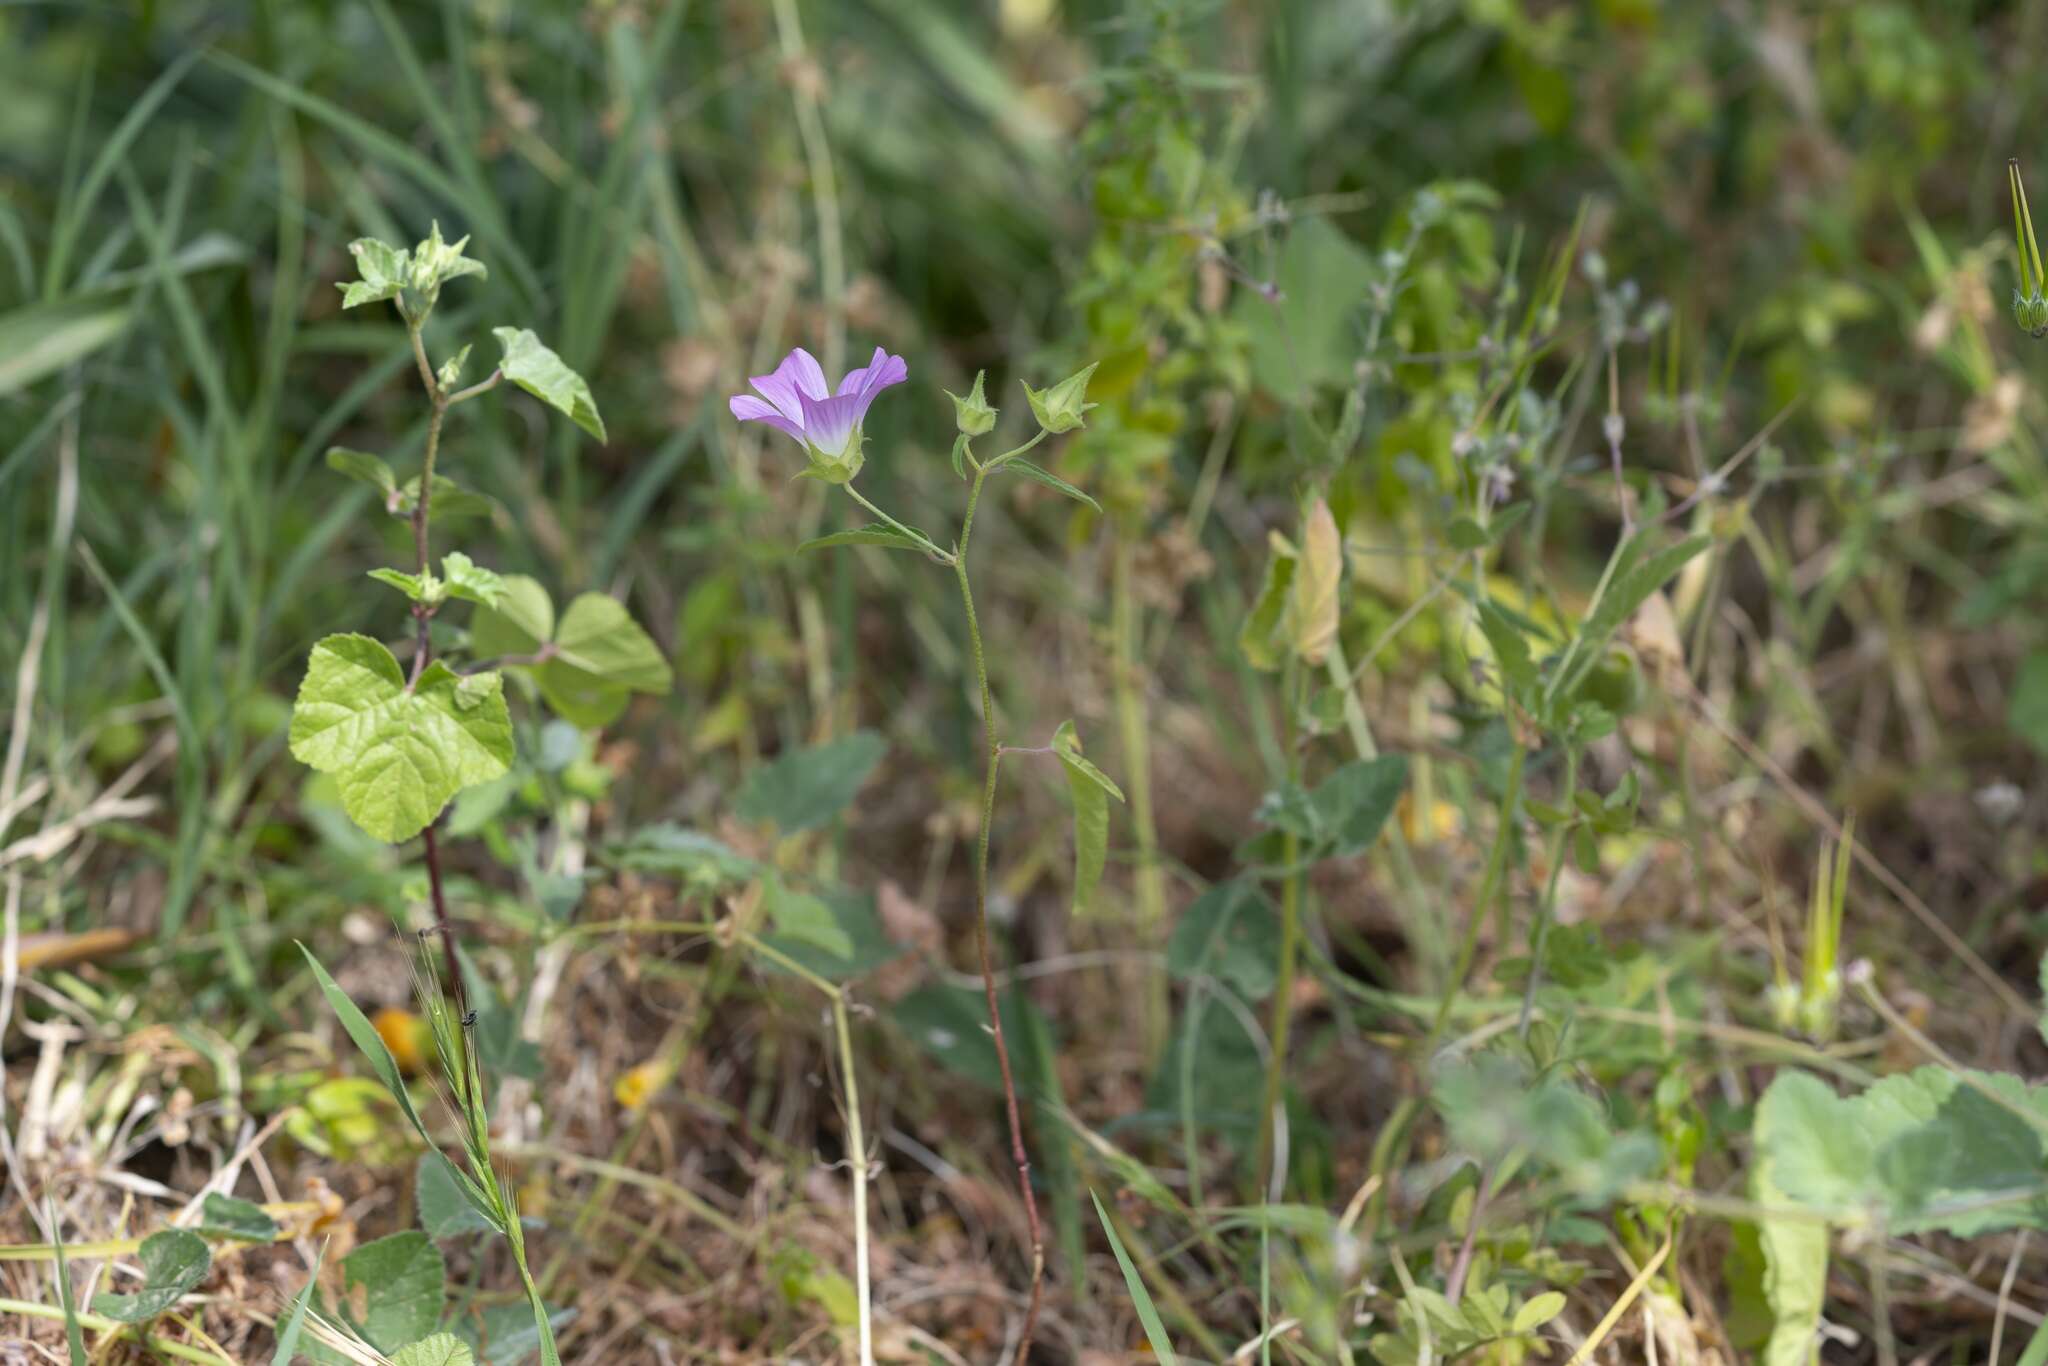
column 994, row 749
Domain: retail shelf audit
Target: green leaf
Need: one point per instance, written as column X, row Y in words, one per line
column 541, row 373
column 599, row 637
column 404, row 1280
column 1510, row 649
column 74, row 1332
column 803, row 917
column 451, row 502
column 1306, row 337
column 874, row 533
column 44, row 338
column 1537, row 1311
column 1229, row 934
column 1091, row 789
column 1353, row 803
column 445, row 1207
column 804, row 790
column 172, row 1263
column 1259, row 638
column 471, row 582
column 2027, row 709
column 509, row 1334
column 1632, row 586
column 442, row 1349
column 368, row 1042
column 288, row 1326
column 1141, row 1298
column 385, row 272
column 1465, row 534
column 226, row 1217
column 598, row 653
column 1932, row 1149
column 364, row 468
column 418, row 587
column 1049, row 479
column 2041, row 1023
column 398, row 754
column 854, row 946
column 700, row 861
column 519, row 623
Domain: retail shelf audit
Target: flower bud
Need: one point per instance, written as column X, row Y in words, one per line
column 1059, row 408
column 972, row 415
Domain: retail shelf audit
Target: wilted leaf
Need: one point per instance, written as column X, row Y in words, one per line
column 1312, row 605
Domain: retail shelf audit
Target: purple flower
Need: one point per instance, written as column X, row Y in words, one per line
column 795, row 399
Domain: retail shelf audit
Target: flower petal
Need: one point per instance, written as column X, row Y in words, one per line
column 829, row 423
column 747, row 408
column 878, row 374
column 799, row 374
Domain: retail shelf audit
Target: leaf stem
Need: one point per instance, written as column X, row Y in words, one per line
column 940, row 555
column 981, row 934
column 1546, row 908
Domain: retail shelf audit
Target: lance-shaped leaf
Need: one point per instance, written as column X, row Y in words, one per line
column 172, row 1263
column 1091, row 789
column 398, row 753
column 288, row 1327
column 594, row 657
column 874, row 533
column 1049, row 479
column 1312, row 605
column 540, row 372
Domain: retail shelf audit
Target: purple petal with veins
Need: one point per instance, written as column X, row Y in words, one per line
column 829, row 422
column 799, row 374
column 747, row 408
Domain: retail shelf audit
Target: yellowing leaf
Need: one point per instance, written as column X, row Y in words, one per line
column 1312, row 607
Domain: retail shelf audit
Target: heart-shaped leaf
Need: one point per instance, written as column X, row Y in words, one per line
column 596, row 655
column 398, row 753
column 404, row 1280
column 172, row 1263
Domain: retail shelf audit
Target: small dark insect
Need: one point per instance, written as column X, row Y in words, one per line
column 469, row 1019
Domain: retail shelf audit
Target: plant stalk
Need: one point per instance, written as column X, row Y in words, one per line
column 1284, row 970
column 994, row 748
column 423, row 650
